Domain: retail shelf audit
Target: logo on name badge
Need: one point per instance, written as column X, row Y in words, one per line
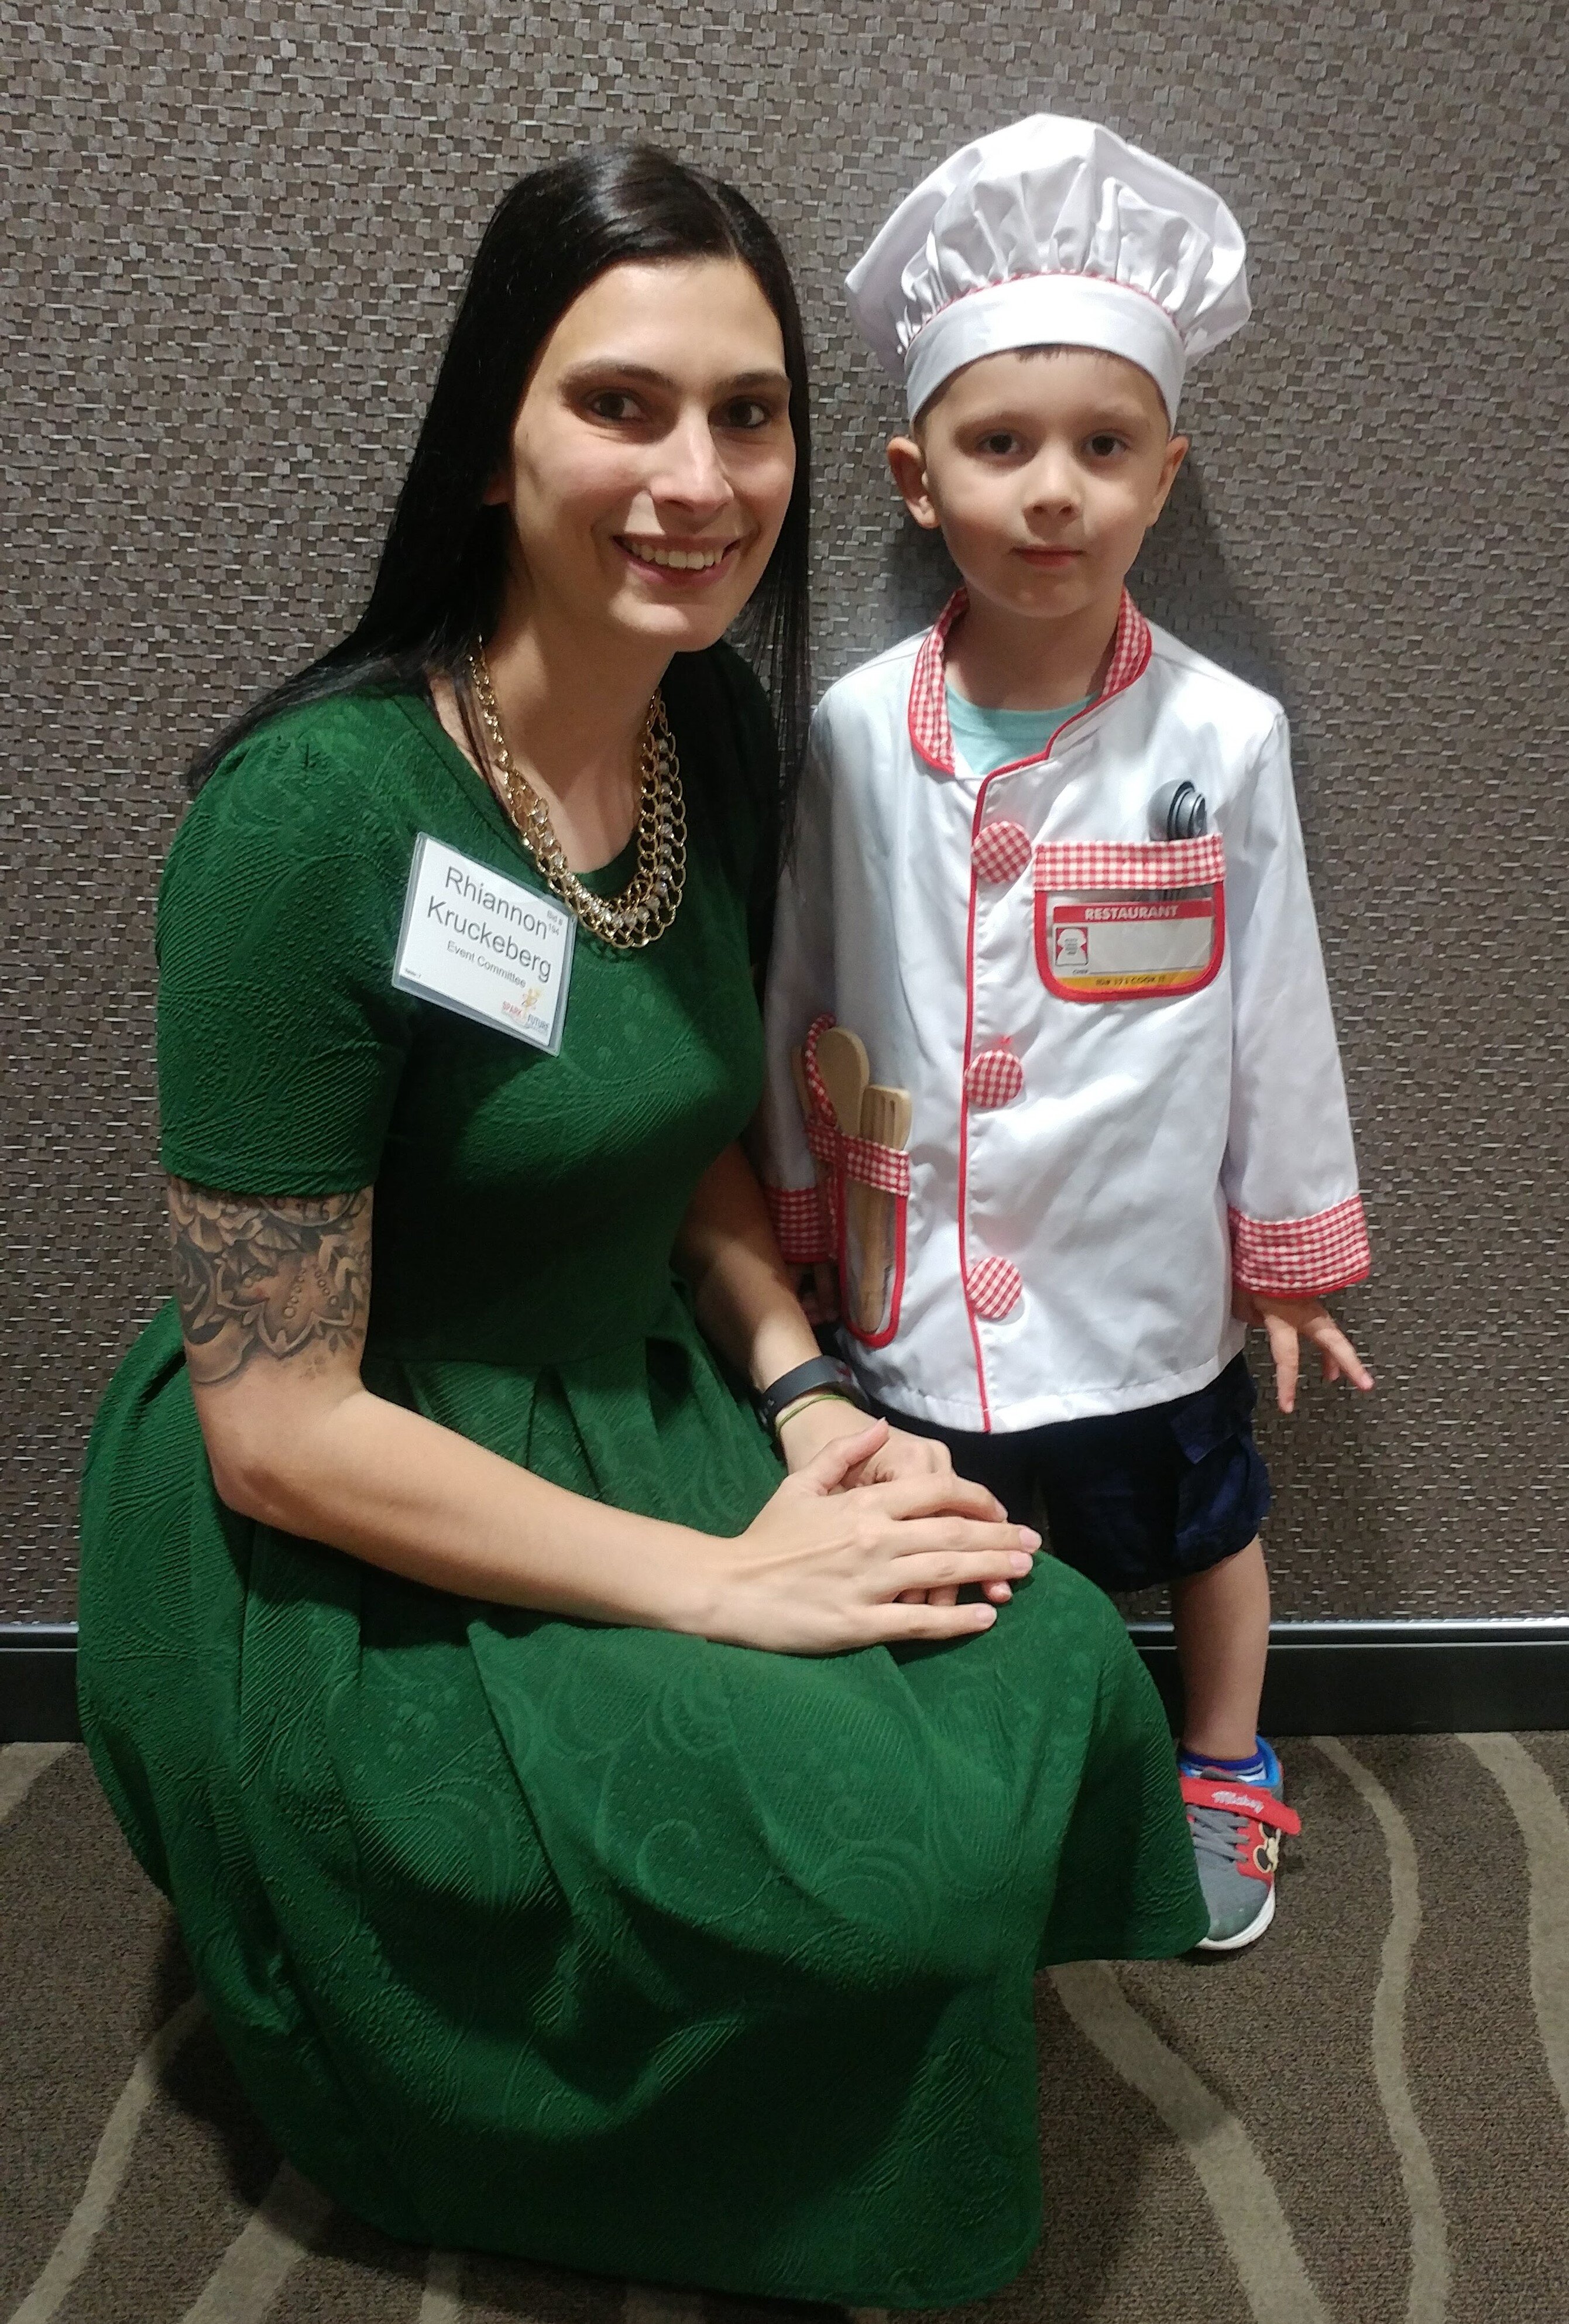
column 485, row 946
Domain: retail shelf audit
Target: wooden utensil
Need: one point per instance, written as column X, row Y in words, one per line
column 886, row 1120
column 886, row 1116
column 845, row 1069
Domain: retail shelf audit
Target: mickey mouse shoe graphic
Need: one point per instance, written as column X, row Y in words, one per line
column 1237, row 1829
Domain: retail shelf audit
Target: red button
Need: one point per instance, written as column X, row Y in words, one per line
column 995, row 1077
column 1000, row 850
column 995, row 1288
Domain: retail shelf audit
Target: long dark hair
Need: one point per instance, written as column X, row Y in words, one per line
column 443, row 566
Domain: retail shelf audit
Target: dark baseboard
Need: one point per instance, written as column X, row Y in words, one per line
column 1398, row 1678
column 38, row 1683
column 1324, row 1678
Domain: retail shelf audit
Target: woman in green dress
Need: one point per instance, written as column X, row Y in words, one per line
column 594, row 1841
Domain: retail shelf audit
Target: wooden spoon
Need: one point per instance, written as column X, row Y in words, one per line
column 886, row 1120
column 845, row 1069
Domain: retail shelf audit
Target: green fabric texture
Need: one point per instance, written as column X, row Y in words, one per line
column 619, row 1949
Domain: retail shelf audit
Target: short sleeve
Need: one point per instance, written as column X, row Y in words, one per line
column 280, row 1038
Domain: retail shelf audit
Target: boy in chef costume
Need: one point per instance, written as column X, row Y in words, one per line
column 1049, row 871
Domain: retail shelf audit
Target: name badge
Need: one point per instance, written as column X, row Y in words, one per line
column 485, row 946
column 1130, row 920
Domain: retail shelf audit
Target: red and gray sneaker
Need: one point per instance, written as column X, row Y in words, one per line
column 1236, row 1831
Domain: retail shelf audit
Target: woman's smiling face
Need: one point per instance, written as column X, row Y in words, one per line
column 652, row 457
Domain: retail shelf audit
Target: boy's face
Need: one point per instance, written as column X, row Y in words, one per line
column 1045, row 469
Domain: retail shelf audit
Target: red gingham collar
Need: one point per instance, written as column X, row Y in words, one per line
column 929, row 729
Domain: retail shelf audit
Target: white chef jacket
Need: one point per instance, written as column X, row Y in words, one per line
column 1087, row 1173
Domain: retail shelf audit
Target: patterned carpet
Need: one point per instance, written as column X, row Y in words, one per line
column 1364, row 2121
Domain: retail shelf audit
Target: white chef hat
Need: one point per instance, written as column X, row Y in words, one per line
column 1051, row 232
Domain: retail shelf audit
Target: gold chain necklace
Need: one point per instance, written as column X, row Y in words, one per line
column 647, row 905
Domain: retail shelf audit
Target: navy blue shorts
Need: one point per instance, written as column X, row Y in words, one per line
column 1130, row 1497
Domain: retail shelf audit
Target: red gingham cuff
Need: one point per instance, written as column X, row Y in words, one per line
column 1301, row 1258
column 800, row 1227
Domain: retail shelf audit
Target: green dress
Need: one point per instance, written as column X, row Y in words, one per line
column 620, row 1949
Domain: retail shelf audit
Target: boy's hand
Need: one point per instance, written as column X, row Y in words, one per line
column 1288, row 1322
column 818, row 1289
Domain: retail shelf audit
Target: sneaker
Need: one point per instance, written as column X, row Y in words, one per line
column 1236, row 1842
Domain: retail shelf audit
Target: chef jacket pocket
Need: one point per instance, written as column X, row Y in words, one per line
column 1130, row 920
column 873, row 1213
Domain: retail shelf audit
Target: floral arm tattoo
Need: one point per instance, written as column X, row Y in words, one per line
column 277, row 1278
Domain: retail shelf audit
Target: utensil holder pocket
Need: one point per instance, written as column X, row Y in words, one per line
column 873, row 1213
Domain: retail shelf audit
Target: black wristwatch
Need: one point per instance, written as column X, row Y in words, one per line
column 822, row 1373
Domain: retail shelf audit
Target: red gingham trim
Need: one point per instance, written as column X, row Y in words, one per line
column 995, row 1288
column 822, row 1132
column 1002, row 850
column 816, row 1088
column 882, row 1167
column 823, row 1138
column 800, row 1227
column 1301, row 1258
column 1139, row 863
column 995, row 1076
column 1130, row 650
column 929, row 729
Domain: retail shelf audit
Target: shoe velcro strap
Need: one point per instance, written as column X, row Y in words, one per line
column 1240, row 1799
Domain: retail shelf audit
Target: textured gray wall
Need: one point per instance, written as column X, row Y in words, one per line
column 233, row 241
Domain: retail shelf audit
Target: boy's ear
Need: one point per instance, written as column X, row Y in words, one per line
column 907, row 466
column 1176, row 452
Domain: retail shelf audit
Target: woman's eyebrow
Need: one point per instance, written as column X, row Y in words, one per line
column 599, row 367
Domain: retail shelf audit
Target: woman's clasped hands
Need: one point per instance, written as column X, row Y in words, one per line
column 827, row 1565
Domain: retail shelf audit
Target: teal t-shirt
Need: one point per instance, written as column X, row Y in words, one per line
column 989, row 739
